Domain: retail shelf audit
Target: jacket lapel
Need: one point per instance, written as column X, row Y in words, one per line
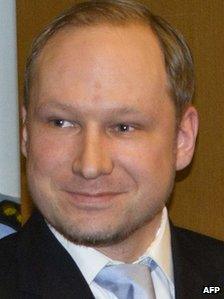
column 47, row 269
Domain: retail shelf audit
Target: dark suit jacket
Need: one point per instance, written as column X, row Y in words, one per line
column 34, row 265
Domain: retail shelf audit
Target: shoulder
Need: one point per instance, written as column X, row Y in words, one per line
column 196, row 241
column 8, row 251
column 14, row 260
column 9, row 266
column 12, row 248
column 200, row 251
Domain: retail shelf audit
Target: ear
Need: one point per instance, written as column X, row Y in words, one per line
column 186, row 137
column 24, row 131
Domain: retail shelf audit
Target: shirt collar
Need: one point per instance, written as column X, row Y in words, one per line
column 90, row 261
column 160, row 249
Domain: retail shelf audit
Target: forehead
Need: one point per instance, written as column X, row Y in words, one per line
column 104, row 58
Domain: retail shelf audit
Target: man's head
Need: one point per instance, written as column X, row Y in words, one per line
column 100, row 135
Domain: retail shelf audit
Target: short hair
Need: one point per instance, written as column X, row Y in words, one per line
column 178, row 60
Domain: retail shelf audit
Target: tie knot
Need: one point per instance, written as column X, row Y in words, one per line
column 126, row 281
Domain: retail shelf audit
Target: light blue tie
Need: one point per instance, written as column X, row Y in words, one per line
column 127, row 281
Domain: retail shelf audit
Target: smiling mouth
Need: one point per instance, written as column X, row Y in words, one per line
column 97, row 200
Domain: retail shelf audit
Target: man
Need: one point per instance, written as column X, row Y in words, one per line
column 108, row 121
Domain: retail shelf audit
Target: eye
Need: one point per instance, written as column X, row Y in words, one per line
column 124, row 128
column 61, row 123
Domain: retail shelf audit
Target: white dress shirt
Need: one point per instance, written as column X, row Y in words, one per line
column 90, row 261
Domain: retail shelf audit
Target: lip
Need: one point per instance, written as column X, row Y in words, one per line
column 97, row 200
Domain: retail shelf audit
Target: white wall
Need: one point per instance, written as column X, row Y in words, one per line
column 9, row 132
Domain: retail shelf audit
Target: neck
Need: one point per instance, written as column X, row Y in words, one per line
column 130, row 249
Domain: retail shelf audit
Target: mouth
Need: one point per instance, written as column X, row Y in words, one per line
column 93, row 200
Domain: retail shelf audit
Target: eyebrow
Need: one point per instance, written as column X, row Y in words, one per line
column 124, row 110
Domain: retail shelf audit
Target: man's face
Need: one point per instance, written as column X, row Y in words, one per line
column 100, row 134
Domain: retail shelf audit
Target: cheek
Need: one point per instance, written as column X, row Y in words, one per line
column 47, row 153
column 148, row 161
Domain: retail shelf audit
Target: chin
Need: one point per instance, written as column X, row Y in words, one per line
column 98, row 233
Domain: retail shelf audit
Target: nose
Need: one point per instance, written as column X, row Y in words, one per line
column 94, row 156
